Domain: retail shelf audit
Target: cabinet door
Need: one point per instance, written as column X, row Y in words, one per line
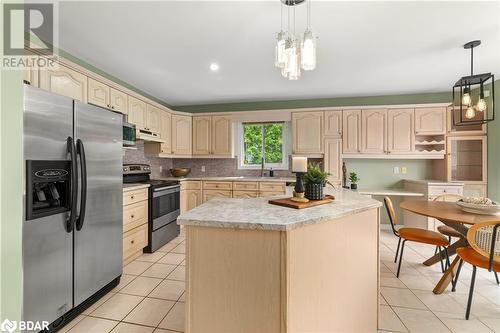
column 137, row 112
column 153, row 123
column 190, row 199
column 430, row 120
column 211, row 194
column 307, row 132
column 181, row 135
column 118, row 101
column 201, row 135
column 221, row 135
column 98, row 93
column 466, row 159
column 166, row 132
column 333, row 123
column 400, row 131
column 351, row 129
column 333, row 159
column 64, row 81
column 31, row 76
column 373, row 131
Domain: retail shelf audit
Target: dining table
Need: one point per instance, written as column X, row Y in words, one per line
column 453, row 216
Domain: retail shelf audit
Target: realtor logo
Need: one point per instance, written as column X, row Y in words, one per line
column 8, row 326
column 38, row 21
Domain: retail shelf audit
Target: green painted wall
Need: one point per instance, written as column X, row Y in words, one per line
column 323, row 102
column 494, row 150
column 11, row 167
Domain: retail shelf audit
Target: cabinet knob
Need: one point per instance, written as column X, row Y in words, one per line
column 132, row 216
column 132, row 242
column 113, row 107
column 132, row 197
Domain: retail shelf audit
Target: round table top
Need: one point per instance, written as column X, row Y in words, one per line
column 444, row 211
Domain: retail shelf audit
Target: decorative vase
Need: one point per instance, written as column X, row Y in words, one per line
column 354, row 186
column 314, row 191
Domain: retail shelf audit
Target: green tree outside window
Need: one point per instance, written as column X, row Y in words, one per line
column 265, row 139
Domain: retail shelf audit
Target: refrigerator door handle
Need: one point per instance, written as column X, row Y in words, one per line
column 80, row 150
column 74, row 184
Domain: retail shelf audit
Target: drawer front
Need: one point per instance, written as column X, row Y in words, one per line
column 191, row 185
column 134, row 215
column 270, row 193
column 271, row 187
column 130, row 197
column 245, row 186
column 135, row 240
column 434, row 191
column 211, row 194
column 245, row 194
column 209, row 185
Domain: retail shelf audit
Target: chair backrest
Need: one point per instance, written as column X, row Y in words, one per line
column 448, row 197
column 484, row 238
column 392, row 214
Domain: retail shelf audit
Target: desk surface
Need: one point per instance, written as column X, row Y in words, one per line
column 390, row 192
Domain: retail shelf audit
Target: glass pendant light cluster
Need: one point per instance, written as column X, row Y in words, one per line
column 291, row 54
column 465, row 89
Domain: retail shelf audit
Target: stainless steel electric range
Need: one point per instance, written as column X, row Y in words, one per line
column 163, row 205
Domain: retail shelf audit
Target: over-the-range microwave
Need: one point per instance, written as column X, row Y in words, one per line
column 129, row 135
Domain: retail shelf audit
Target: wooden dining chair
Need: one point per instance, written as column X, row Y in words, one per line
column 415, row 235
column 483, row 251
column 444, row 229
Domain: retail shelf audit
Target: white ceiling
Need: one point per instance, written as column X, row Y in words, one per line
column 364, row 48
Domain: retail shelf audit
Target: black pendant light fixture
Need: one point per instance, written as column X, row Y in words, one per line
column 474, row 95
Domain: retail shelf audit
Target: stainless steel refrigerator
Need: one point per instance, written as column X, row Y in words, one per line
column 72, row 225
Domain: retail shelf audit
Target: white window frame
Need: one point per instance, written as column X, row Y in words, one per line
column 286, row 147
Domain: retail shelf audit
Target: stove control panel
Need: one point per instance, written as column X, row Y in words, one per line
column 130, row 169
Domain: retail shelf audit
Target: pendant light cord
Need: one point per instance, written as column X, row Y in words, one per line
column 308, row 14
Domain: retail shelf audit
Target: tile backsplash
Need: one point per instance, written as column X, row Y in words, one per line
column 214, row 167
column 132, row 156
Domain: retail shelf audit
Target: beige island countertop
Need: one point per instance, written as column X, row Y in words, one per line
column 256, row 267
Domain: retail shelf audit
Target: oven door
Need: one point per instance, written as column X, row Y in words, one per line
column 165, row 206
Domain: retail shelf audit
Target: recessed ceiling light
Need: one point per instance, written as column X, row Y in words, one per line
column 214, row 67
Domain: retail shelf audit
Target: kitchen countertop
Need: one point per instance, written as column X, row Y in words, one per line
column 134, row 186
column 257, row 213
column 235, row 179
column 390, row 192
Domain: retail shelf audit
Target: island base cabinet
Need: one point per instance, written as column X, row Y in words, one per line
column 313, row 278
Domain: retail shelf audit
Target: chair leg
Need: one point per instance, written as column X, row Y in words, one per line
column 401, row 257
column 447, row 257
column 441, row 261
column 496, row 277
column 397, row 250
column 436, row 250
column 471, row 292
column 454, row 282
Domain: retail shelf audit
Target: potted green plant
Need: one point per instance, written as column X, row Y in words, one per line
column 353, row 178
column 315, row 180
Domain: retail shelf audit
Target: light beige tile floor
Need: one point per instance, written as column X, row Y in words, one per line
column 150, row 297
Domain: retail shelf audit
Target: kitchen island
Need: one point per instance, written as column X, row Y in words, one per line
column 256, row 267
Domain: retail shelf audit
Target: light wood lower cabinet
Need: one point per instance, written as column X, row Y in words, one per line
column 190, row 199
column 245, row 194
column 271, row 187
column 245, row 186
column 135, row 223
column 217, row 185
column 211, row 194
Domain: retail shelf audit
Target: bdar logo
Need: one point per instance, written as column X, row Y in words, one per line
column 8, row 326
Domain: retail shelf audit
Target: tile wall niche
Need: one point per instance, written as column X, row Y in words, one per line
column 136, row 156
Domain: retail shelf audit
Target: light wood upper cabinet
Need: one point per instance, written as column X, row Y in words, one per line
column 98, row 93
column 333, row 123
column 181, row 135
column 118, row 101
column 400, row 131
column 221, row 135
column 137, row 112
column 373, row 129
column 202, row 127
column 166, row 132
column 153, row 119
column 307, row 132
column 64, row 81
column 351, row 128
column 430, row 120
column 333, row 159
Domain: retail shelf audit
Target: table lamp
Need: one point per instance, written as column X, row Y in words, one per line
column 299, row 167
